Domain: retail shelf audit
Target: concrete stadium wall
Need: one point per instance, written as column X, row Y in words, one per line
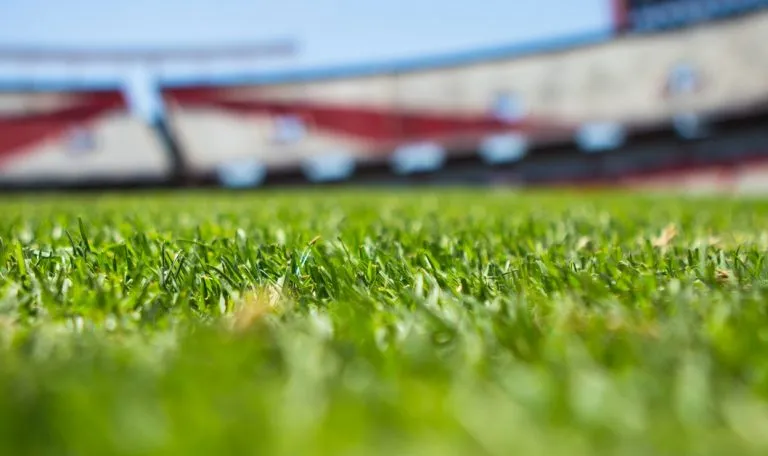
column 746, row 179
column 67, row 137
column 625, row 80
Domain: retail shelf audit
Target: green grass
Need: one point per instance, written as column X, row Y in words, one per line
column 361, row 322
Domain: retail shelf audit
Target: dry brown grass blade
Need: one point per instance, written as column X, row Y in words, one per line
column 723, row 276
column 583, row 242
column 254, row 306
column 666, row 236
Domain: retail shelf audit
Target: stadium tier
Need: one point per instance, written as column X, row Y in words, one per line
column 605, row 106
column 59, row 138
column 642, row 16
column 597, row 93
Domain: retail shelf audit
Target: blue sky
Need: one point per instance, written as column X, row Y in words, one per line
column 328, row 32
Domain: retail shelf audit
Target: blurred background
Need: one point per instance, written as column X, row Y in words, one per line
column 657, row 94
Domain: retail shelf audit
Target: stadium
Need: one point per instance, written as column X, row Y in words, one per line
column 629, row 107
column 488, row 251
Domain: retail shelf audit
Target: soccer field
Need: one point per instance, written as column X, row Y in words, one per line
column 364, row 322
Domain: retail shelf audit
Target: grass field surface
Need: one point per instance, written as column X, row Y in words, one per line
column 368, row 322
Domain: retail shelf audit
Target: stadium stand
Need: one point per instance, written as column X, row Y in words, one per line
column 60, row 137
column 601, row 89
column 677, row 88
column 88, row 133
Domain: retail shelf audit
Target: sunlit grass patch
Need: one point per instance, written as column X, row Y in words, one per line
column 452, row 322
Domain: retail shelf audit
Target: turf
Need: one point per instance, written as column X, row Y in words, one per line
column 362, row 322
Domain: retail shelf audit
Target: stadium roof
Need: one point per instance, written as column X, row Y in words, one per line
column 48, row 54
column 329, row 72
